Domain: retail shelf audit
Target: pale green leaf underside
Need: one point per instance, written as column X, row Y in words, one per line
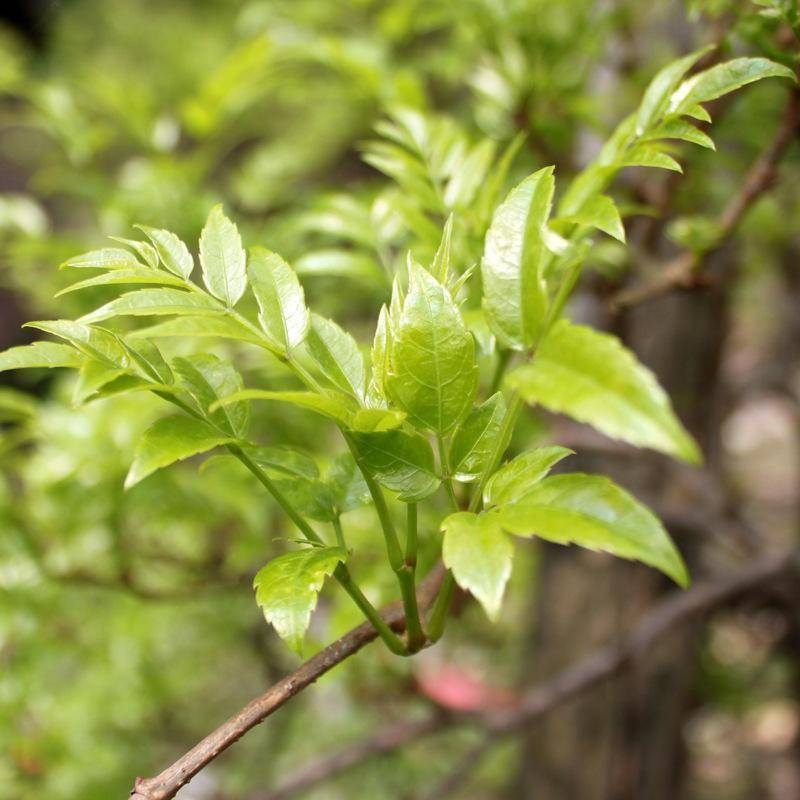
column 287, row 589
column 174, row 254
column 516, row 478
column 593, row 378
column 593, row 512
column 126, row 276
column 337, row 355
column 222, row 258
column 169, row 440
column 155, row 302
column 479, row 553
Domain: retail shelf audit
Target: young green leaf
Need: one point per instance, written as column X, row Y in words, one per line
column 593, row 378
column 222, row 258
column 92, row 377
column 678, row 128
column 40, row 354
column 125, row 276
column 441, row 261
column 475, row 438
column 338, row 356
column 155, row 302
column 94, row 342
column 479, row 553
column 287, row 589
column 309, row 496
column 401, row 461
column 434, row 377
column 281, row 302
column 592, row 511
column 381, row 350
column 285, row 460
column 336, row 408
column 514, row 293
column 347, row 484
column 146, row 252
column 601, row 212
column 208, row 378
column 174, row 254
column 514, row 480
column 217, row 326
column 375, row 420
column 105, row 258
column 169, row 440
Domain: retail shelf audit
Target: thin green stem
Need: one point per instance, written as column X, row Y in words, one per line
column 390, row 638
column 441, row 608
column 411, row 534
column 447, row 478
column 503, row 357
column 416, row 635
column 337, row 527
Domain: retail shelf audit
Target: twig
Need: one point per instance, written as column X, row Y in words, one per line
column 166, row 784
column 682, row 271
column 602, row 665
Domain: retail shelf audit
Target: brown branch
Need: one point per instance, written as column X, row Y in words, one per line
column 602, row 665
column 166, row 784
column 682, row 271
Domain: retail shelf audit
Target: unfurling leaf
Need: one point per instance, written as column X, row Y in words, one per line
column 281, row 302
column 514, row 293
column 433, row 374
column 287, row 589
column 479, row 553
column 222, row 258
column 593, row 512
column 593, row 378
column 169, row 440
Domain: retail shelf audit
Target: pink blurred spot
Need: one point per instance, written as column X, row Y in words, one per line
column 458, row 690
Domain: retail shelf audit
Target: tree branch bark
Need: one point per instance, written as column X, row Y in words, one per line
column 166, row 784
column 535, row 702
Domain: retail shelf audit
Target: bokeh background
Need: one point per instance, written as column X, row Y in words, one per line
column 127, row 626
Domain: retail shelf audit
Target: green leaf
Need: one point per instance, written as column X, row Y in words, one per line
column 375, row 420
column 601, row 212
column 434, row 376
column 222, row 258
column 213, row 327
column 287, row 589
column 656, row 97
column 644, row 155
column 208, row 379
column 137, row 275
column 94, row 342
column 514, row 480
column 593, row 512
column 40, row 354
column 381, row 348
column 149, row 360
column 724, row 78
column 281, row 302
column 146, row 252
column 311, row 497
column 680, row 129
column 155, row 302
column 441, row 261
column 479, row 553
column 105, row 258
column 593, row 378
column 334, row 407
column 283, row 459
column 347, row 484
column 174, row 254
column 475, row 438
column 92, row 377
column 169, row 440
column 338, row 356
column 400, row 461
column 336, row 261
column 514, row 293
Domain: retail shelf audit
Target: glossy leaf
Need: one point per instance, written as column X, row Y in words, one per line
column 593, row 378
column 337, row 355
column 222, row 258
column 40, row 354
column 400, row 461
column 375, row 420
column 601, row 212
column 146, row 252
column 433, row 377
column 94, row 342
column 514, row 293
column 309, row 496
column 169, row 440
column 208, row 378
column 105, row 258
column 593, row 512
column 217, row 326
column 479, row 553
column 125, row 276
column 285, row 460
column 475, row 438
column 347, row 484
column 287, row 589
column 516, row 478
column 174, row 254
column 282, row 306
column 155, row 302
column 329, row 406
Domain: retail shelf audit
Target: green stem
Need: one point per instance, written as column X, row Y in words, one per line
column 337, row 527
column 503, row 357
column 441, row 608
column 416, row 635
column 447, row 478
column 390, row 638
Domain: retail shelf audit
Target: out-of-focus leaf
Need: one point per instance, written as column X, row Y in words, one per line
column 40, row 354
